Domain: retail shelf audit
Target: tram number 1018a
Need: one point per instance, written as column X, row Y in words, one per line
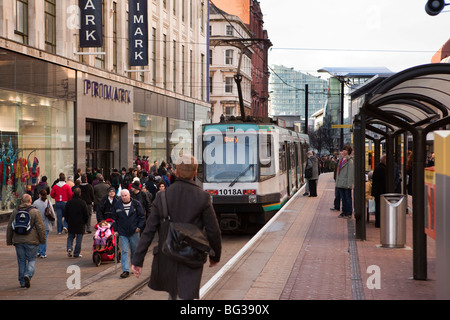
column 231, row 192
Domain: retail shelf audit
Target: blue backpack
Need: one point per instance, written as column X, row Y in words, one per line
column 22, row 222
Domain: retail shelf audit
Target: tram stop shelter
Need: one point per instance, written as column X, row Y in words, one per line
column 415, row 101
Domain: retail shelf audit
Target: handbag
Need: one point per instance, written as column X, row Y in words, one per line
column 48, row 212
column 308, row 173
column 184, row 242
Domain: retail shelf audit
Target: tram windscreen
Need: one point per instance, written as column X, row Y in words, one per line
column 230, row 158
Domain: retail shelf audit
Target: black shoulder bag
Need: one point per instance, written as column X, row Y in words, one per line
column 185, row 242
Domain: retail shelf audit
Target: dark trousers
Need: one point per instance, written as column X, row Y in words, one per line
column 312, row 184
column 377, row 211
column 337, row 199
column 346, row 196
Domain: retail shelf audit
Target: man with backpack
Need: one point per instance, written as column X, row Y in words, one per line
column 26, row 231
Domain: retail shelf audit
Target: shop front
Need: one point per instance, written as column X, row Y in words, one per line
column 104, row 124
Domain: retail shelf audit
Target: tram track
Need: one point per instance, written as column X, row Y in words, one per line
column 231, row 244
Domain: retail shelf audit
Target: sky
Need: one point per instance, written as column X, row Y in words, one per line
column 310, row 35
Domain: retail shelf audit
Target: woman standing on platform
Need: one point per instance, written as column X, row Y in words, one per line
column 312, row 164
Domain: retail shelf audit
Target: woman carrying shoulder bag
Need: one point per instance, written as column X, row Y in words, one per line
column 41, row 204
column 312, row 163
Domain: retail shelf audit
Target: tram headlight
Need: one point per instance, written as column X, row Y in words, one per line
column 252, row 198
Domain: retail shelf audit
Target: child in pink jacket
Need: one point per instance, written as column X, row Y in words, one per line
column 102, row 234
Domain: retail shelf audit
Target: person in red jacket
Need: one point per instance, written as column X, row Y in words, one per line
column 62, row 193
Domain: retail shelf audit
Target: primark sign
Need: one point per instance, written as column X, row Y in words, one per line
column 91, row 23
column 138, row 37
column 91, row 28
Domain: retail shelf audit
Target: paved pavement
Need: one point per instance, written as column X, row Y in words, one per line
column 304, row 253
column 307, row 253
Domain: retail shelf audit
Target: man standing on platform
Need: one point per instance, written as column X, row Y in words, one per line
column 345, row 181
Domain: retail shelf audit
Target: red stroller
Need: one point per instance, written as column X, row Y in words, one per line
column 110, row 252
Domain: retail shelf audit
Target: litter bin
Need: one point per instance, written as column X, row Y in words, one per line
column 393, row 220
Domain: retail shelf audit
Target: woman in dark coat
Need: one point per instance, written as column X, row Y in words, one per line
column 312, row 163
column 186, row 202
column 76, row 214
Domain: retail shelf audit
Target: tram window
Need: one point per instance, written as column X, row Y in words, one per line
column 267, row 165
column 230, row 157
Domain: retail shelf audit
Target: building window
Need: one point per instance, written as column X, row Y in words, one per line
column 191, row 72
column 153, row 56
column 202, row 76
column 115, row 44
column 164, row 61
column 229, row 111
column 230, row 30
column 21, row 29
column 229, row 56
column 229, row 84
column 202, row 17
column 175, row 66
column 183, row 75
column 100, row 58
column 50, row 26
column 183, row 8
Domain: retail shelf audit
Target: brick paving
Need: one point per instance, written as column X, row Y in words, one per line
column 305, row 254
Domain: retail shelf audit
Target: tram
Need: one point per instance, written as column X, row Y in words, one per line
column 250, row 169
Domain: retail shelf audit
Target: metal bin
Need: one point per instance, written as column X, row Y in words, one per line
column 393, row 220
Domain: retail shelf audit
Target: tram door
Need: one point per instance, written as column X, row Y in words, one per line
column 297, row 164
column 288, row 168
column 99, row 146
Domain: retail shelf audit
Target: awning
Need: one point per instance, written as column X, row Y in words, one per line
column 415, row 98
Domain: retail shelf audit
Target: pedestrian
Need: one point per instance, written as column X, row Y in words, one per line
column 87, row 194
column 42, row 204
column 154, row 168
column 311, row 163
column 379, row 187
column 105, row 206
column 337, row 195
column 115, row 179
column 102, row 234
column 129, row 219
column 76, row 214
column 62, row 193
column 143, row 197
column 151, row 186
column 345, row 181
column 409, row 173
column 41, row 185
column 161, row 186
column 70, row 181
column 186, row 202
column 26, row 244
column 370, row 200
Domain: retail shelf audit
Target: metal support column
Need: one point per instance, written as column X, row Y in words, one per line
column 359, row 130
column 419, row 236
column 390, row 159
